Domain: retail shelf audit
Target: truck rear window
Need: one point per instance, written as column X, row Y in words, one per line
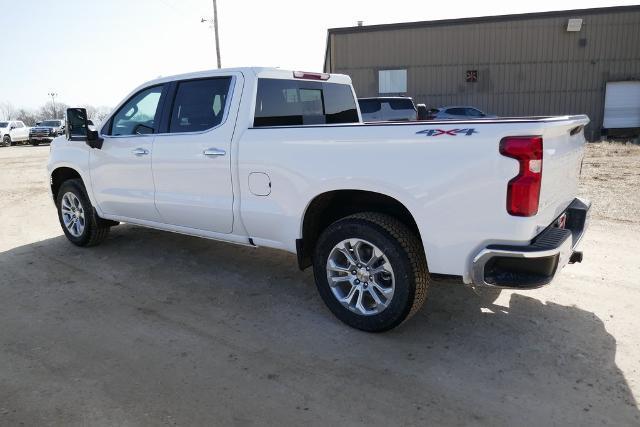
column 282, row 102
column 369, row 106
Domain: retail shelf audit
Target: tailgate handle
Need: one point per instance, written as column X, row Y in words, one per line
column 576, row 130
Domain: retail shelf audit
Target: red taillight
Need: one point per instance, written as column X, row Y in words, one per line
column 310, row 76
column 523, row 191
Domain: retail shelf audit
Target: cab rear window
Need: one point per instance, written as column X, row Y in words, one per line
column 282, row 102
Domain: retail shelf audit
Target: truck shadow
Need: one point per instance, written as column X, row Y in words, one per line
column 250, row 315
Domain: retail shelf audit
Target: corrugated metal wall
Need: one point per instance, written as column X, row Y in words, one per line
column 527, row 66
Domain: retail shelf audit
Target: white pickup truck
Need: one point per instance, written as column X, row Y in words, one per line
column 275, row 158
column 13, row 131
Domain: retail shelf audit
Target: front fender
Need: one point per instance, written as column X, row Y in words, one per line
column 73, row 155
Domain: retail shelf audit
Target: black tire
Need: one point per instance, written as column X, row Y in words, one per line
column 405, row 254
column 96, row 229
column 34, row 143
column 7, row 141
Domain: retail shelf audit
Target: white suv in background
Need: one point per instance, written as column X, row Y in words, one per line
column 12, row 131
column 458, row 113
column 388, row 109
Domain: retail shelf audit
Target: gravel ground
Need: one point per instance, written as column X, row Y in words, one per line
column 153, row 328
column 611, row 180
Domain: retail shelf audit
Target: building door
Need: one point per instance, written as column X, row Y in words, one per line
column 622, row 105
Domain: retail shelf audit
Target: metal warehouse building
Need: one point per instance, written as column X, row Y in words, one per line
column 564, row 62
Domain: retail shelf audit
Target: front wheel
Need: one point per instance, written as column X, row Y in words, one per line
column 34, row 143
column 370, row 271
column 6, row 140
column 78, row 218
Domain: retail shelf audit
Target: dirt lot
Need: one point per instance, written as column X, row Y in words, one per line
column 153, row 328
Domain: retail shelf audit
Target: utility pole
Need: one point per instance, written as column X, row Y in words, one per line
column 53, row 99
column 215, row 31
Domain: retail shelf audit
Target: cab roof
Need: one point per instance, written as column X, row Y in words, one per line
column 255, row 72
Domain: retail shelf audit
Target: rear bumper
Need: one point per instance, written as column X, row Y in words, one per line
column 534, row 265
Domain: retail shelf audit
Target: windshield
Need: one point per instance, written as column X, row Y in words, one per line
column 50, row 123
column 4, row 124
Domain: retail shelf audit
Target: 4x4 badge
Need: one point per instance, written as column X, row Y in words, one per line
column 451, row 132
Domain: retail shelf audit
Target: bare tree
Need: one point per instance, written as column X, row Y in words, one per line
column 101, row 113
column 28, row 117
column 47, row 111
column 7, row 111
column 97, row 114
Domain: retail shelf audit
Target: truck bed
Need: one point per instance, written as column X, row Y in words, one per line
column 449, row 174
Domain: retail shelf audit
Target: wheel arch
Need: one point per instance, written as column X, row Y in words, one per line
column 61, row 174
column 327, row 207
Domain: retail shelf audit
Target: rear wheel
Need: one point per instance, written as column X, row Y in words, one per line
column 370, row 271
column 78, row 218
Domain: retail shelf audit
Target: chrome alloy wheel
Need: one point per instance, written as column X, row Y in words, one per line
column 72, row 214
column 360, row 276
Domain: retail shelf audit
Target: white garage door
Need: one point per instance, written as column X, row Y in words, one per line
column 622, row 105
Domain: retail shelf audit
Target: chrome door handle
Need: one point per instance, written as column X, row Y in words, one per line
column 214, row 152
column 140, row 151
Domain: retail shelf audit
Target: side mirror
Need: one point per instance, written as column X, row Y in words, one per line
column 77, row 128
column 423, row 113
column 12, row 127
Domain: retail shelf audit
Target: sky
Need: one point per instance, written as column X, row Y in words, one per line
column 96, row 51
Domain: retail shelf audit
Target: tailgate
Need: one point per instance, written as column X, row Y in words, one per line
column 563, row 145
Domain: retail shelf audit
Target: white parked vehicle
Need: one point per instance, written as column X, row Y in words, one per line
column 12, row 131
column 458, row 113
column 268, row 157
column 387, row 108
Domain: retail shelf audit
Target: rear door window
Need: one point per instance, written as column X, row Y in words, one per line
column 281, row 102
column 199, row 104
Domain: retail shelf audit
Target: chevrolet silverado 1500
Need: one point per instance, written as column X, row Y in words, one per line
column 275, row 158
